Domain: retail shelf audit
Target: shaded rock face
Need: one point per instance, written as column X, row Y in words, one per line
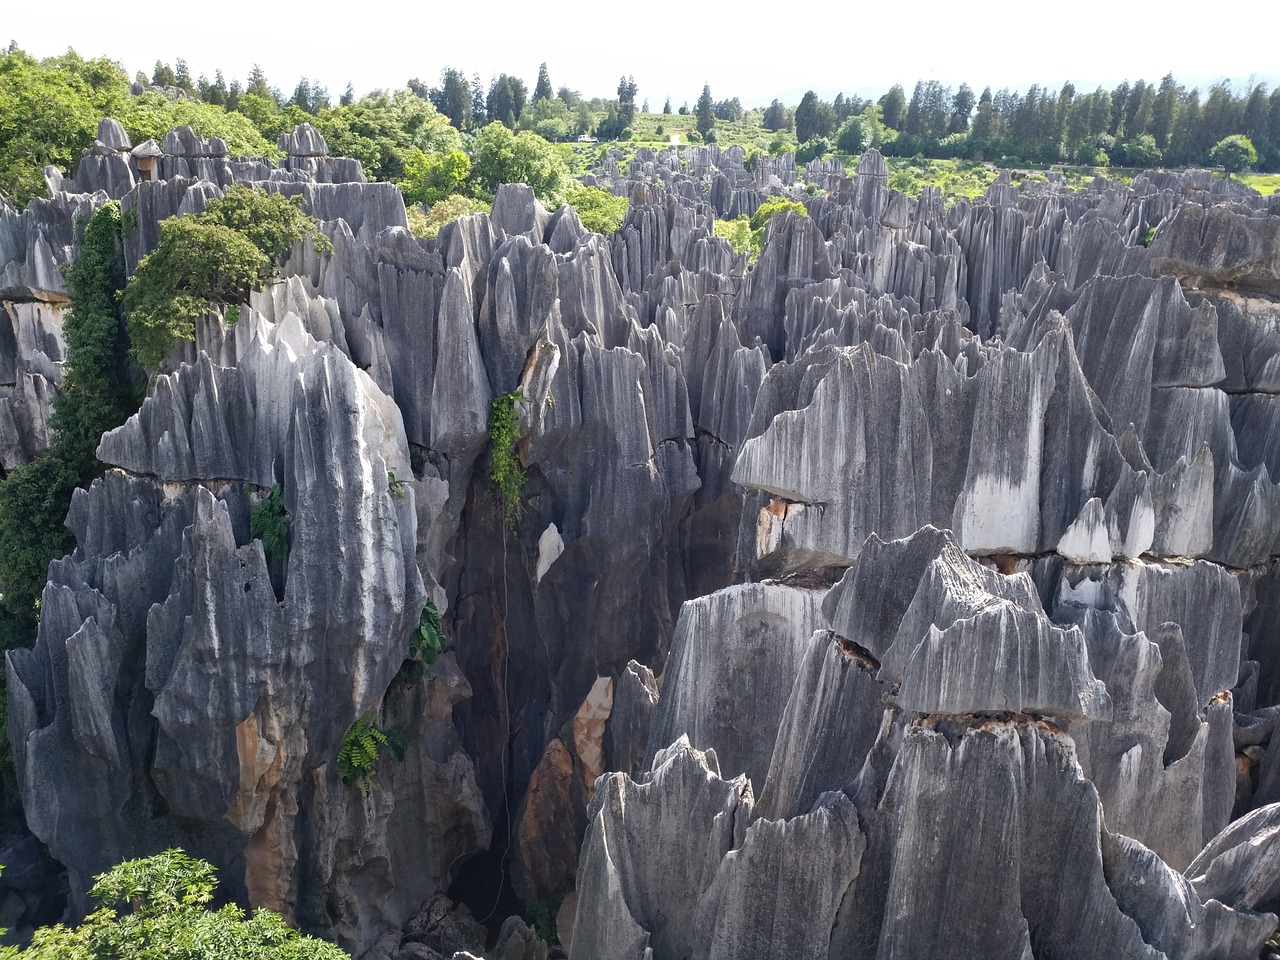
column 921, row 570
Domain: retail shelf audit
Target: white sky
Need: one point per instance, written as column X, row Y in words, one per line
column 671, row 51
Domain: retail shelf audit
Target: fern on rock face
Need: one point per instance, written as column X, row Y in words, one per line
column 359, row 752
column 364, row 743
column 270, row 523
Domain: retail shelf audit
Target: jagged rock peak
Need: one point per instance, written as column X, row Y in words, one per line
column 303, row 140
column 184, row 142
column 967, row 639
column 1221, row 245
column 111, row 134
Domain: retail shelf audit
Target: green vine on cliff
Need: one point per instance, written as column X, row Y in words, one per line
column 506, row 475
column 429, row 641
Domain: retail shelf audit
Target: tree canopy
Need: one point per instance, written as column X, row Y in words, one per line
column 157, row 908
column 500, row 156
column 49, row 112
column 152, row 115
column 542, row 90
column 1234, row 154
column 599, row 210
column 217, row 257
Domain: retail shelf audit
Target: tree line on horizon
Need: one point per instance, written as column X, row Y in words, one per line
column 1135, row 125
column 49, row 110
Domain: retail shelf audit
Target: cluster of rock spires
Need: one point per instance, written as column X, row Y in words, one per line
column 924, row 570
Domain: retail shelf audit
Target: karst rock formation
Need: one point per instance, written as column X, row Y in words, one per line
column 912, row 591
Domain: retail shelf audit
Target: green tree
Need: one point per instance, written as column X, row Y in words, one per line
column 258, row 84
column 962, row 105
column 984, row 122
column 814, row 118
column 506, row 100
column 1234, row 154
column 381, row 131
column 453, row 97
column 852, row 138
column 98, row 394
column 158, row 907
column 33, row 505
column 610, row 126
column 210, row 259
column 773, row 207
column 152, row 115
column 426, row 223
column 182, row 76
column 272, row 222
column 730, row 110
column 163, row 75
column 738, row 233
column 814, row 149
column 499, row 156
column 98, row 391
column 893, row 107
column 542, row 89
column 776, row 117
column 49, row 112
column 627, row 100
column 430, row 178
column 1140, row 151
column 1164, row 111
column 599, row 210
column 195, row 266
column 705, row 111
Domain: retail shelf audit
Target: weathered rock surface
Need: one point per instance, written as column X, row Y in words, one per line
column 1034, row 458
column 236, row 677
column 1221, row 245
column 733, row 662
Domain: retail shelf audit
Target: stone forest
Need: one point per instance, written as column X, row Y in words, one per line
column 908, row 589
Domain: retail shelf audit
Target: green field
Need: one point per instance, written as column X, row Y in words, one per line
column 1265, row 183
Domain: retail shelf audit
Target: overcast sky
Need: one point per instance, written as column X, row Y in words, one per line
column 670, row 50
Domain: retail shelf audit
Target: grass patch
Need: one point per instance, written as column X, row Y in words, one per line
column 968, row 179
column 746, row 132
column 1265, row 183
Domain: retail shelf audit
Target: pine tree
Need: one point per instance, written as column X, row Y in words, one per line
column 893, row 106
column 162, row 75
column 627, row 100
column 542, row 91
column 218, row 89
column 705, row 111
column 258, row 83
